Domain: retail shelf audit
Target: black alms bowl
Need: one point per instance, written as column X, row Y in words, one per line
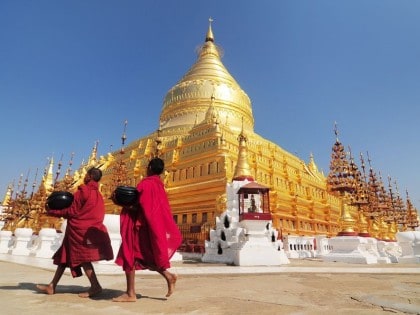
column 59, row 200
column 125, row 196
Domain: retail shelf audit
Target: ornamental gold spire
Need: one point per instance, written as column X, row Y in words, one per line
column 312, row 165
column 93, row 156
column 67, row 181
column 211, row 115
column 359, row 197
column 47, row 179
column 340, row 181
column 209, row 36
column 242, row 169
column 58, row 171
column 340, row 178
column 412, row 215
column 7, row 196
column 400, row 210
column 119, row 171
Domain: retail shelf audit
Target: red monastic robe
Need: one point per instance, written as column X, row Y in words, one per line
column 150, row 236
column 86, row 238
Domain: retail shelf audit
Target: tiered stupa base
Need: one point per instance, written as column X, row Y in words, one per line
column 243, row 243
column 258, row 250
column 410, row 247
column 353, row 249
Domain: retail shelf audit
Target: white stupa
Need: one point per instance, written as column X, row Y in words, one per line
column 244, row 235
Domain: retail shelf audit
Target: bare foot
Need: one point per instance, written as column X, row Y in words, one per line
column 170, row 280
column 91, row 293
column 125, row 298
column 47, row 289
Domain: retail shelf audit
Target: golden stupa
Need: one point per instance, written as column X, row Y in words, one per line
column 200, row 121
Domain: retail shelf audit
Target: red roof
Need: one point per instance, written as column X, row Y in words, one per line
column 252, row 187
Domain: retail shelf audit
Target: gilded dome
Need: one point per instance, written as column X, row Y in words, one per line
column 207, row 83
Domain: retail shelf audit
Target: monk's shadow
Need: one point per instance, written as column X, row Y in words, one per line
column 109, row 294
column 20, row 286
column 60, row 289
column 29, row 286
column 106, row 294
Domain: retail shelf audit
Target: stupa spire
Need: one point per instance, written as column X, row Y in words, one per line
column 412, row 215
column 211, row 115
column 209, row 35
column 312, row 165
column 34, row 182
column 58, row 171
column 48, row 176
column 7, row 196
column 340, row 178
column 400, row 210
column 242, row 169
column 359, row 196
column 340, row 181
column 119, row 172
column 93, row 156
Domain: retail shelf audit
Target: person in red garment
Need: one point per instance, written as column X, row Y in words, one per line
column 86, row 238
column 149, row 234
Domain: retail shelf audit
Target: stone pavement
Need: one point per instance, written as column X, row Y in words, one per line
column 302, row 287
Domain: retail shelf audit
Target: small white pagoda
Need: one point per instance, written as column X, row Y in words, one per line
column 244, row 235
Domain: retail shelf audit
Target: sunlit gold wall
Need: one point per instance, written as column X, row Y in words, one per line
column 200, row 164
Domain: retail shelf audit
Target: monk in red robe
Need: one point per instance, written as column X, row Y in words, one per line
column 149, row 234
column 86, row 238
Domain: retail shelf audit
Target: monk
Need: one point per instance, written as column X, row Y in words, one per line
column 149, row 234
column 86, row 238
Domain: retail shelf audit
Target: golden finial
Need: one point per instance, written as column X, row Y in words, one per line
column 209, row 36
column 362, row 162
column 391, row 194
column 336, row 130
column 211, row 114
column 34, row 183
column 312, row 165
column 93, row 156
column 69, row 169
column 57, row 173
column 369, row 160
column 120, row 169
column 18, row 185
column 242, row 136
column 124, row 136
column 25, row 183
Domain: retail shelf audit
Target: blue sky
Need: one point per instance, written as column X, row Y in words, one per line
column 71, row 72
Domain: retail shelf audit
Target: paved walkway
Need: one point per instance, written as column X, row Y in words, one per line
column 302, row 287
